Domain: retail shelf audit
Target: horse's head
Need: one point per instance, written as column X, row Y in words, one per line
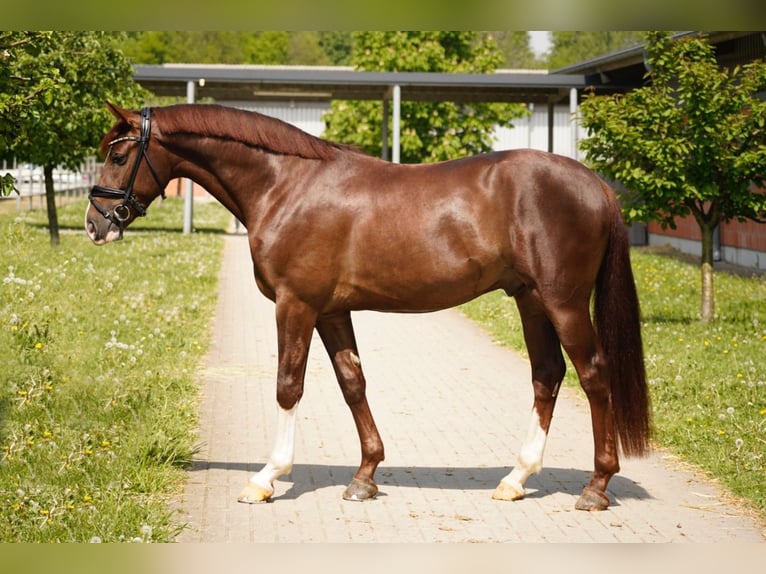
column 129, row 181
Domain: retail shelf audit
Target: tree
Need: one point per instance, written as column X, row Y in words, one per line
column 18, row 91
column 429, row 131
column 306, row 48
column 267, row 48
column 517, row 50
column 572, row 47
column 63, row 80
column 227, row 47
column 690, row 142
column 337, row 45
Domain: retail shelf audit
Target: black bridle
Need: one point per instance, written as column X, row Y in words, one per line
column 121, row 213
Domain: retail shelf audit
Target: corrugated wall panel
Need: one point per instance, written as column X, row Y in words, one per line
column 532, row 132
column 528, row 132
column 304, row 115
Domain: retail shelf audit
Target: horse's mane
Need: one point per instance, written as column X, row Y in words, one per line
column 251, row 128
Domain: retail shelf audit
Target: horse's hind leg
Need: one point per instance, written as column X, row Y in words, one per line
column 548, row 369
column 581, row 344
column 337, row 334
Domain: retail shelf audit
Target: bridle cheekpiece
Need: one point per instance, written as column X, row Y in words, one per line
column 121, row 213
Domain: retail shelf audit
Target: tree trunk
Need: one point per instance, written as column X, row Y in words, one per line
column 50, row 198
column 707, row 310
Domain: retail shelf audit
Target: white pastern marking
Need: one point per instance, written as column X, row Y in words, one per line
column 281, row 459
column 530, row 459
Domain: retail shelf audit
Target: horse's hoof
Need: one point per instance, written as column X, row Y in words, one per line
column 592, row 500
column 506, row 491
column 254, row 494
column 360, row 489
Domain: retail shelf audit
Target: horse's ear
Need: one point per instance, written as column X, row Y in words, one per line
column 123, row 115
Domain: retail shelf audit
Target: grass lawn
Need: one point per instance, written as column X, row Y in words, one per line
column 100, row 348
column 707, row 382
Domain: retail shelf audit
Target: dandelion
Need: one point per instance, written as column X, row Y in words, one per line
column 146, row 531
column 38, row 345
column 730, row 410
column 738, row 443
column 95, row 540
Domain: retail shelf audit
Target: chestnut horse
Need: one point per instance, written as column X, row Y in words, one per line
column 332, row 230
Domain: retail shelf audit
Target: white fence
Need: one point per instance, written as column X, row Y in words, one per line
column 30, row 182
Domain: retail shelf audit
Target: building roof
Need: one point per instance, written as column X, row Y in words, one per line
column 614, row 72
column 625, row 69
column 242, row 83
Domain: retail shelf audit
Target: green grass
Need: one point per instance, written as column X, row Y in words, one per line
column 707, row 382
column 100, row 347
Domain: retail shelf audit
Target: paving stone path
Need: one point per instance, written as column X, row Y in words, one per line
column 452, row 408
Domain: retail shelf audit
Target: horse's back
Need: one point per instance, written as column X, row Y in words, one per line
column 444, row 233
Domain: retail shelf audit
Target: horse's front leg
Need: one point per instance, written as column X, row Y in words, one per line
column 295, row 323
column 337, row 334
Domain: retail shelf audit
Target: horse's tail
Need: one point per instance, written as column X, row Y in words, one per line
column 618, row 323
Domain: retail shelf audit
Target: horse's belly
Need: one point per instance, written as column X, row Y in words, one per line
column 419, row 289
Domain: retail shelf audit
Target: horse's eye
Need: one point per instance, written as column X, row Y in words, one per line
column 119, row 158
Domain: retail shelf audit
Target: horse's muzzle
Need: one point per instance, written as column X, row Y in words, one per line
column 99, row 229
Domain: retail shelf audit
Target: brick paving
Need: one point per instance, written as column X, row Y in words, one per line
column 452, row 408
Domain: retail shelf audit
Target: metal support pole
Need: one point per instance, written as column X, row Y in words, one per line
column 396, row 127
column 551, row 121
column 189, row 198
column 531, row 108
column 574, row 122
column 384, row 132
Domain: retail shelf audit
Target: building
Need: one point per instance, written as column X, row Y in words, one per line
column 301, row 95
column 741, row 243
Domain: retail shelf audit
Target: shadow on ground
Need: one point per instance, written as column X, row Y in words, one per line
column 310, row 477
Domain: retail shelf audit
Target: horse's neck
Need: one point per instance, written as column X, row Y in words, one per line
column 222, row 174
